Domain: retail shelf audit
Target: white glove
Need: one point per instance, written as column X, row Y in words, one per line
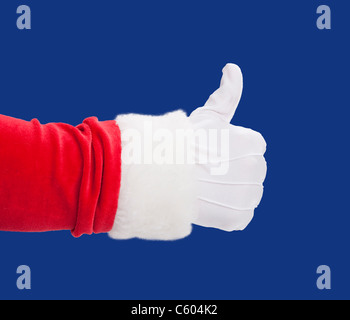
column 160, row 199
column 229, row 185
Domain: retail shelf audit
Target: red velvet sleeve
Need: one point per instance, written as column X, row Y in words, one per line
column 59, row 177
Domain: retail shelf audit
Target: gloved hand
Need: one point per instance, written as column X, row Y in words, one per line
column 229, row 185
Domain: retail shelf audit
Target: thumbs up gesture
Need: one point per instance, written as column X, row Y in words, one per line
column 230, row 183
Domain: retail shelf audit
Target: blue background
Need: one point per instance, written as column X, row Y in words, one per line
column 103, row 58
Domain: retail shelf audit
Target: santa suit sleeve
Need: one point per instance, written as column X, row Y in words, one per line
column 60, row 177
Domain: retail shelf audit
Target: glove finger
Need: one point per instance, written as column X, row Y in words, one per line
column 250, row 170
column 213, row 216
column 243, row 141
column 214, row 145
column 239, row 196
column 224, row 101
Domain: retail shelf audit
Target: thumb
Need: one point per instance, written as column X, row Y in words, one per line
column 224, row 101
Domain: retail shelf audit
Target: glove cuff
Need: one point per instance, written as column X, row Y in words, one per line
column 157, row 201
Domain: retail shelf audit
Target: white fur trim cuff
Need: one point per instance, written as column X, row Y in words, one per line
column 157, row 198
